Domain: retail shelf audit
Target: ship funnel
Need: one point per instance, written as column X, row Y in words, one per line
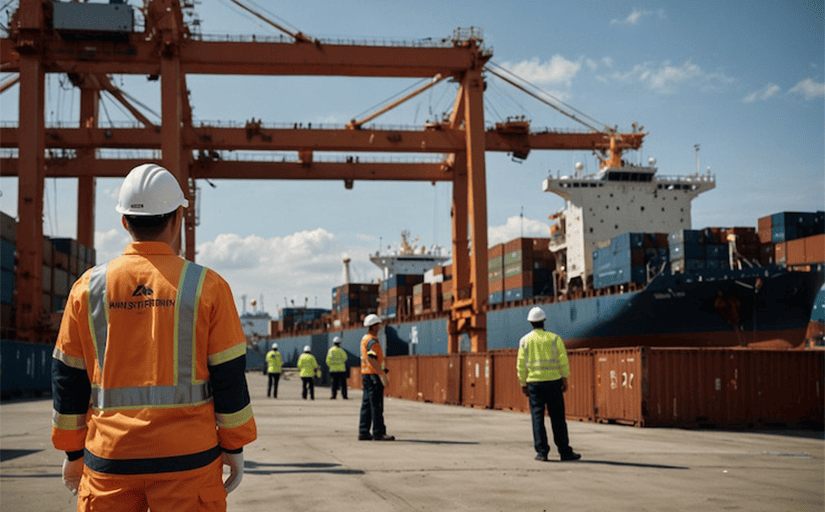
column 346, row 271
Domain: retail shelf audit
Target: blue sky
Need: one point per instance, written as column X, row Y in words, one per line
column 742, row 79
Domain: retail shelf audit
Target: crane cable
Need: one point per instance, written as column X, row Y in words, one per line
column 499, row 72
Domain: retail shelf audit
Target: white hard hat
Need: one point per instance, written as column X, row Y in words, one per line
column 536, row 315
column 307, row 349
column 336, row 340
column 150, row 189
column 371, row 320
column 274, row 346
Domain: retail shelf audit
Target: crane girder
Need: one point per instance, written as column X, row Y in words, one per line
column 443, row 140
column 250, row 170
column 138, row 56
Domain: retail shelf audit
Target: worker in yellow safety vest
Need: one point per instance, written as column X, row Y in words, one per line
column 308, row 369
column 337, row 363
column 274, row 362
column 543, row 370
column 373, row 383
column 150, row 397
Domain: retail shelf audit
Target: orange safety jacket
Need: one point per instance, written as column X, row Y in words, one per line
column 148, row 369
column 369, row 343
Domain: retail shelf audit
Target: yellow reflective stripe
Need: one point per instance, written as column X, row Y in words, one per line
column 68, row 421
column 235, row 419
column 71, row 361
column 228, row 354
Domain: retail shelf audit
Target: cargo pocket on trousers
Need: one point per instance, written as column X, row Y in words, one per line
column 211, row 494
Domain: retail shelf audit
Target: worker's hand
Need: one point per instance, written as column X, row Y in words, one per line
column 563, row 385
column 524, row 390
column 235, row 463
column 72, row 471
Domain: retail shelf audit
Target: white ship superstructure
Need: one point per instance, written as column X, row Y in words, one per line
column 408, row 259
column 617, row 200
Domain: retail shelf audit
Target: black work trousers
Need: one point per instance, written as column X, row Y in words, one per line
column 372, row 406
column 308, row 384
column 339, row 380
column 548, row 395
column 272, row 384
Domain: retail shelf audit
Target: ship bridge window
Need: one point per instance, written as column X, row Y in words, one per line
column 575, row 185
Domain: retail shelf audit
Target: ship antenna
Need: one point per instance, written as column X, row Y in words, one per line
column 522, row 221
column 696, row 147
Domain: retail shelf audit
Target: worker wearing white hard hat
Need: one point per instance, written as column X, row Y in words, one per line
column 142, row 311
column 543, row 370
column 373, row 382
column 308, row 369
column 274, row 363
column 337, row 362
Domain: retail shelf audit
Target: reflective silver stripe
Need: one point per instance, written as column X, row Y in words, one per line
column 98, row 311
column 185, row 390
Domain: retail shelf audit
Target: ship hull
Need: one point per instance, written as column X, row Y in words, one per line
column 755, row 308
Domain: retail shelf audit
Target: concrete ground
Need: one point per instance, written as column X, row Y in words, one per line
column 307, row 458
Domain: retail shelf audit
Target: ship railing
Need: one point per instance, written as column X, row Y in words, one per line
column 690, row 178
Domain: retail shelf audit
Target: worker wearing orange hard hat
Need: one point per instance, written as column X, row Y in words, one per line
column 373, row 382
column 150, row 397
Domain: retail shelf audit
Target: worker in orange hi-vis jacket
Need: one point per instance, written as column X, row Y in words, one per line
column 150, row 396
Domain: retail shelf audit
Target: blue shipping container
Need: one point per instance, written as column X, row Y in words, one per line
column 7, row 250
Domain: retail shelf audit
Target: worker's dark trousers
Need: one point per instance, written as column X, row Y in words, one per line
column 308, row 384
column 272, row 385
column 548, row 394
column 339, row 380
column 372, row 406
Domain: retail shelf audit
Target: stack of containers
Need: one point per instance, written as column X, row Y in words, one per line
column 8, row 249
column 351, row 302
column 299, row 317
column 442, row 290
column 422, row 298
column 70, row 259
column 527, row 266
column 694, row 250
column 624, row 259
column 397, row 293
column 495, row 273
column 793, row 238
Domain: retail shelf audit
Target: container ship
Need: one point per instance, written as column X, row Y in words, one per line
column 622, row 268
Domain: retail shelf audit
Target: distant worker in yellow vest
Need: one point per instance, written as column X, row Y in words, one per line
column 373, row 382
column 274, row 362
column 150, row 397
column 337, row 363
column 543, row 370
column 308, row 370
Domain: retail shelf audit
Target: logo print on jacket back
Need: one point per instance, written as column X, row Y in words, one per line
column 142, row 290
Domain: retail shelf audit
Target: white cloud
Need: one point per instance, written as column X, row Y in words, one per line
column 667, row 78
column 762, row 94
column 632, row 19
column 517, row 227
column 809, row 89
column 557, row 70
column 110, row 244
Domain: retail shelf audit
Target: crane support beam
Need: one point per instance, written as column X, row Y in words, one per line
column 442, row 140
column 140, row 57
column 249, row 170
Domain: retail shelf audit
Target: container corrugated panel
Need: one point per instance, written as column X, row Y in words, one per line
column 402, row 377
column 476, row 380
column 730, row 387
column 815, row 249
column 25, row 368
column 507, row 394
column 7, row 280
column 619, row 384
column 439, row 378
column 579, row 400
column 7, row 254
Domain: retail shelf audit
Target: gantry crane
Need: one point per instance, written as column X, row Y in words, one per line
column 167, row 51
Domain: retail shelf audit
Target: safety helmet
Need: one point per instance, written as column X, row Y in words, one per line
column 274, row 346
column 371, row 320
column 150, row 189
column 307, row 349
column 336, row 340
column 536, row 315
